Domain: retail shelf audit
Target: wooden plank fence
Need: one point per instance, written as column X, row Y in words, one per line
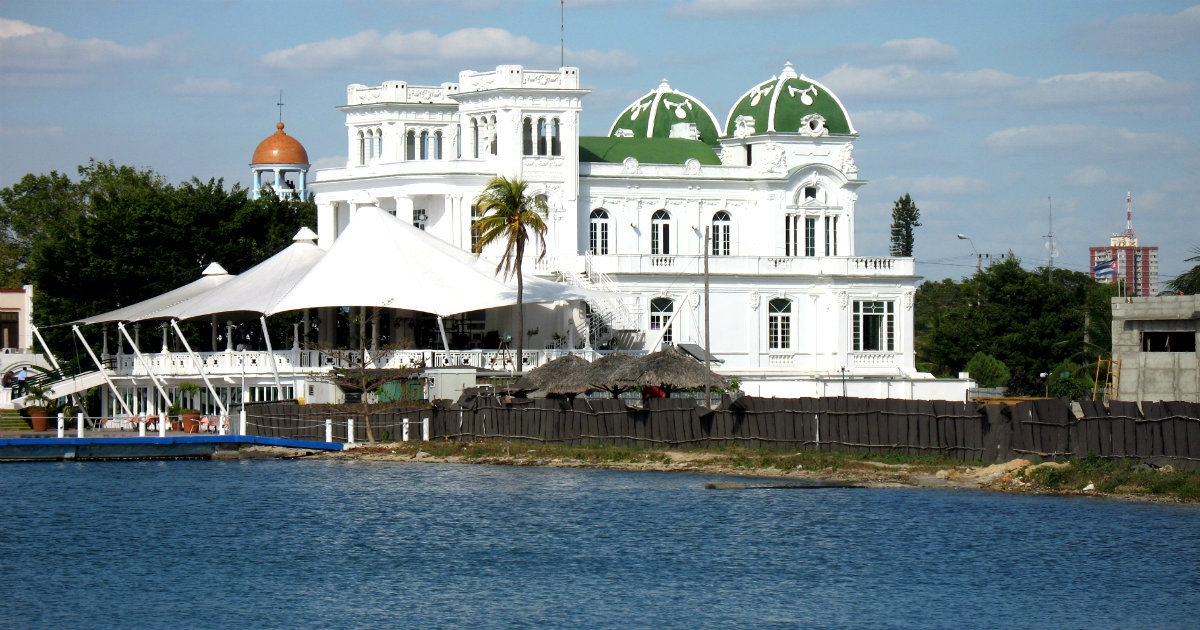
column 1164, row 433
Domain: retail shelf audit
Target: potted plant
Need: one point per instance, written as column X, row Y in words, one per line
column 38, row 406
column 188, row 417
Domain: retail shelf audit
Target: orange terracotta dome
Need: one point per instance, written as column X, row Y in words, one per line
column 280, row 148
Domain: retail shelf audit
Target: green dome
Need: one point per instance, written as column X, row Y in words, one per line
column 789, row 104
column 655, row 114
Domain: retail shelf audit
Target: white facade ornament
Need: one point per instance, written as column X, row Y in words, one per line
column 842, row 300
column 630, row 166
column 908, row 300
column 694, row 300
column 691, row 166
column 685, row 130
column 753, row 300
column 622, row 132
column 813, row 125
column 728, row 155
column 743, row 126
column 770, row 158
column 847, row 164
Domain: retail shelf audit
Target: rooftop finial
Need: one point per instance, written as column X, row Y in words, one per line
column 788, row 71
column 280, row 104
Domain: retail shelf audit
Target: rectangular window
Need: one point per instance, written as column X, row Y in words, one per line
column 1175, row 341
column 790, row 247
column 779, row 325
column 475, row 232
column 831, row 236
column 598, row 237
column 810, row 236
column 874, row 326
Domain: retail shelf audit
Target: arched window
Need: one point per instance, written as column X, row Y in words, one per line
column 720, row 234
column 779, row 324
column 555, row 137
column 661, row 310
column 598, row 232
column 424, row 145
column 527, row 137
column 541, row 136
column 437, row 145
column 660, row 233
column 362, row 148
column 378, row 143
column 410, row 145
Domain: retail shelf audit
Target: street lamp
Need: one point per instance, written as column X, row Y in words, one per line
column 978, row 256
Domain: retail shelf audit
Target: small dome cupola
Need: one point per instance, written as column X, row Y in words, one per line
column 667, row 113
column 279, row 156
column 788, row 104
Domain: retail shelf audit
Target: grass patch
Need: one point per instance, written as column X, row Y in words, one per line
column 1112, row 476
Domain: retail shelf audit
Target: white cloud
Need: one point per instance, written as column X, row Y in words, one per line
column 369, row 49
column 1133, row 35
column 1090, row 139
column 699, row 8
column 31, row 132
column 28, row 48
column 1102, row 90
column 206, row 87
column 920, row 50
column 878, row 123
column 952, row 185
column 1086, row 176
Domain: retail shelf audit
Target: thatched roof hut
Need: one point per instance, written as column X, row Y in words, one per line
column 555, row 377
column 599, row 374
column 669, row 369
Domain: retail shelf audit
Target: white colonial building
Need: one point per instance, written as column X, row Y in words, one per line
column 771, row 190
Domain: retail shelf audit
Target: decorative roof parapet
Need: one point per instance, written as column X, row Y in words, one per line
column 516, row 77
column 400, row 92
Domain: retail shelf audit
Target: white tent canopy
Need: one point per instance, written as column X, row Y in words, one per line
column 378, row 261
column 214, row 276
column 258, row 289
column 382, row 261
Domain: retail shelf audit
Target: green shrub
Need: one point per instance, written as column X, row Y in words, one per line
column 987, row 370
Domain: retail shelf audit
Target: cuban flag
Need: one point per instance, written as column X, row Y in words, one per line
column 1105, row 268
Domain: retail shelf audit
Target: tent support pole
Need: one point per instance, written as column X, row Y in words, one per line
column 274, row 366
column 199, row 367
column 442, row 329
column 100, row 366
column 50, row 355
column 141, row 357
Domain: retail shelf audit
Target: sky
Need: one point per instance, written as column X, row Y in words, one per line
column 1005, row 120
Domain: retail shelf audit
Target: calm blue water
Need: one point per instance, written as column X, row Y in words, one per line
column 286, row 544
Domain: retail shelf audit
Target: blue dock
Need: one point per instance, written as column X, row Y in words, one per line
column 118, row 448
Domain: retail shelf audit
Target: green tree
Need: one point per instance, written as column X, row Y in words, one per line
column 121, row 235
column 510, row 215
column 1188, row 282
column 1026, row 319
column 987, row 370
column 905, row 219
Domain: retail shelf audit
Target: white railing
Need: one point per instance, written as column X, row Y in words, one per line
column 751, row 265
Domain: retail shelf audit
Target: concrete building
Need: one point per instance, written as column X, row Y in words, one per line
column 1154, row 339
column 1124, row 262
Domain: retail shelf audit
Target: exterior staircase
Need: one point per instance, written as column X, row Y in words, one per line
column 12, row 420
column 611, row 324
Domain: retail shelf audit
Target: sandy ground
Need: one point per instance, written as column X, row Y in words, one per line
column 1002, row 477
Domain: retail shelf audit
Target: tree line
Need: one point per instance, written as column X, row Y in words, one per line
column 117, row 235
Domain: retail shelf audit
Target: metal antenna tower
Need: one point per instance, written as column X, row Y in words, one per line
column 1051, row 248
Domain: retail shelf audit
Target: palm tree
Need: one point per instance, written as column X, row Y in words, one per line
column 1188, row 282
column 510, row 215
